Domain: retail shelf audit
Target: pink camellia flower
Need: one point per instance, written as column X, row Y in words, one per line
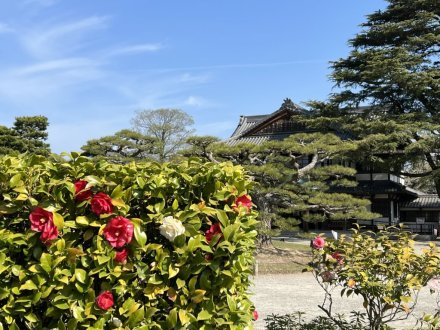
column 105, row 300
column 243, row 201
column 338, row 257
column 39, row 217
column 318, row 242
column 215, row 229
column 101, row 204
column 118, row 232
column 255, row 315
column 81, row 193
column 121, row 256
column 49, row 232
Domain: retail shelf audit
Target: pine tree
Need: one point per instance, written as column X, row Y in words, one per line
column 28, row 134
column 122, row 147
column 394, row 69
column 394, row 62
column 292, row 183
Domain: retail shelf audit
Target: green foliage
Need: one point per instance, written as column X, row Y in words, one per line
column 27, row 135
column 295, row 321
column 294, row 182
column 122, row 147
column 164, row 284
column 382, row 268
column 394, row 69
column 394, row 61
column 169, row 127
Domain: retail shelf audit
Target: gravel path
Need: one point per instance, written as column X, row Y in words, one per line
column 284, row 294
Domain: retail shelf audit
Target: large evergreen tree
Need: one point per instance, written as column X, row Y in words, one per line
column 394, row 62
column 28, row 134
column 394, row 70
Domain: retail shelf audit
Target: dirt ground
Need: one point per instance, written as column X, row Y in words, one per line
column 280, row 261
column 281, row 288
column 288, row 293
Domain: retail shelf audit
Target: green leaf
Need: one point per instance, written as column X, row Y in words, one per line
column 197, row 296
column 172, row 318
column 139, row 235
column 222, row 217
column 58, row 220
column 82, row 220
column 80, row 275
column 118, row 192
column 31, row 317
column 46, row 262
column 72, row 324
column 172, row 271
column 183, row 316
column 28, row 285
column 136, row 317
column 175, row 204
column 230, row 231
column 204, row 315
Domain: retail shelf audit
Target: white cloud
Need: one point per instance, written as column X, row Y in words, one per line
column 5, row 28
column 56, row 66
column 43, row 42
column 47, row 82
column 136, row 49
column 196, row 101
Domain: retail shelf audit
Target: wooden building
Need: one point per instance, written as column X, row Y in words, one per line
column 388, row 193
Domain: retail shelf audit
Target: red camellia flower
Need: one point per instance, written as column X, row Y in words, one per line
column 119, row 231
column 318, row 242
column 337, row 256
column 39, row 218
column 121, row 256
column 49, row 232
column 81, row 193
column 243, row 201
column 101, row 204
column 215, row 229
column 105, row 300
column 255, row 315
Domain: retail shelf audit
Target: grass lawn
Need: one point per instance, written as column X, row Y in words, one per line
column 283, row 258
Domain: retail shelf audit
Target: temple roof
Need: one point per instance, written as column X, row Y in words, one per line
column 249, row 129
column 428, row 201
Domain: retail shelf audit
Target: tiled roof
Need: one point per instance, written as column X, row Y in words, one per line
column 255, row 139
column 246, row 123
column 423, row 201
column 249, row 127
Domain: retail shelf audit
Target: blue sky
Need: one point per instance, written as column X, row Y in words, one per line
column 90, row 65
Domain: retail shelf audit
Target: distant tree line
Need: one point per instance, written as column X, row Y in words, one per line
column 28, row 134
column 156, row 135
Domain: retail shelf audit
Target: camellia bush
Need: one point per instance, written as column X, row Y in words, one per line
column 93, row 245
column 382, row 268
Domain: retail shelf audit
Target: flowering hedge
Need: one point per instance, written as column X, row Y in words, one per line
column 138, row 246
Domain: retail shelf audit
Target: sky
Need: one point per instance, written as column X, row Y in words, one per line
column 89, row 66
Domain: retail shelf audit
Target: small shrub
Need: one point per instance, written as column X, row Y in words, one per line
column 296, row 321
column 382, row 268
column 93, row 245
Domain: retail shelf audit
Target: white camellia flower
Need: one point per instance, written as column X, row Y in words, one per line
column 171, row 228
